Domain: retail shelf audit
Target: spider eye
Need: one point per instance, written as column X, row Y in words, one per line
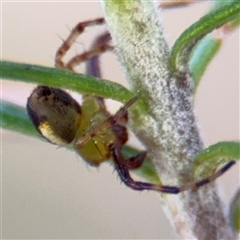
column 55, row 114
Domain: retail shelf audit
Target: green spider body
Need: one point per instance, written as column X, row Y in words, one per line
column 61, row 120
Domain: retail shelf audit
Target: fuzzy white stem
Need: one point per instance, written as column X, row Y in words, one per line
column 169, row 131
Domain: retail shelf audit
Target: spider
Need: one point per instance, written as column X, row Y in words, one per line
column 95, row 134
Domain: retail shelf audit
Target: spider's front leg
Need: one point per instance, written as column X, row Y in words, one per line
column 101, row 45
column 123, row 171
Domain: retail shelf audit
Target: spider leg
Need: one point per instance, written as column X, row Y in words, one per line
column 109, row 122
column 61, row 52
column 97, row 50
column 122, row 169
column 93, row 63
column 136, row 161
column 208, row 179
column 120, row 132
column 99, row 46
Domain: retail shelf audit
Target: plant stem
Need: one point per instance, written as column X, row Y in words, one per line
column 169, row 132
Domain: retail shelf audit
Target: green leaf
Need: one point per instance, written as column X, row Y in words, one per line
column 65, row 79
column 234, row 213
column 201, row 57
column 15, row 118
column 183, row 46
column 207, row 161
column 209, row 46
column 218, row 4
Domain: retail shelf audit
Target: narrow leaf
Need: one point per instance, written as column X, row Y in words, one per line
column 189, row 38
column 64, row 79
column 210, row 158
column 15, row 118
column 202, row 56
